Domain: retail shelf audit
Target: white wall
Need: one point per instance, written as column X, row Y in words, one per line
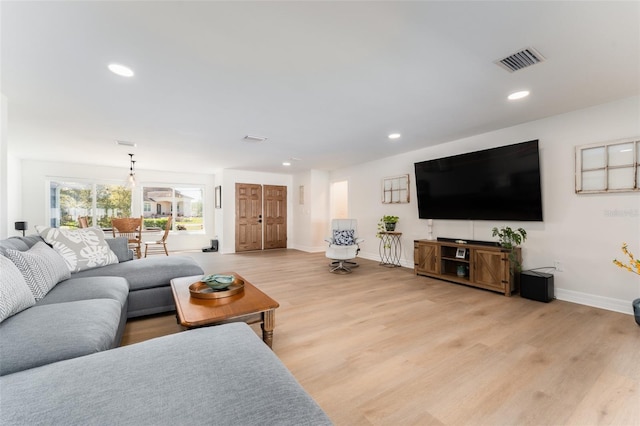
column 4, row 173
column 310, row 219
column 34, row 194
column 583, row 232
column 10, row 180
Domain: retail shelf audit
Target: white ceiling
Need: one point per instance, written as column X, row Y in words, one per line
column 324, row 81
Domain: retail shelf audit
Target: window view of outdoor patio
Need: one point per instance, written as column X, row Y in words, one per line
column 99, row 203
column 184, row 204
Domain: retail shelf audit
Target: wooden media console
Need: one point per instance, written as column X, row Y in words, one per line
column 478, row 265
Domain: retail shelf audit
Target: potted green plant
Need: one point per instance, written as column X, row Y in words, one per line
column 388, row 223
column 510, row 239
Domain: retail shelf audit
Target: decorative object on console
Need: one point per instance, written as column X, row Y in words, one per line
column 430, row 229
column 510, row 239
column 21, row 226
column 462, row 270
column 217, row 281
column 633, row 267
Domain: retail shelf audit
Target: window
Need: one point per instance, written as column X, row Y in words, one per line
column 608, row 167
column 69, row 200
column 184, row 203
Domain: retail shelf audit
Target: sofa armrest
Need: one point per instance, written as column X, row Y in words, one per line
column 120, row 246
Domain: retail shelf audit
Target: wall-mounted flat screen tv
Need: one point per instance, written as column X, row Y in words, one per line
column 493, row 184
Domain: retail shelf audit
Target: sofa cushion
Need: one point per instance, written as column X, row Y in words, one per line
column 148, row 272
column 44, row 334
column 73, row 289
column 19, row 243
column 81, row 249
column 41, row 266
column 222, row 375
column 15, row 295
column 120, row 247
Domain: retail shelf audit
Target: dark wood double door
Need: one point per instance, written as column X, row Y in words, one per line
column 261, row 217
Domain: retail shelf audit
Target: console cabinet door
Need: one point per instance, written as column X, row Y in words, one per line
column 425, row 257
column 491, row 269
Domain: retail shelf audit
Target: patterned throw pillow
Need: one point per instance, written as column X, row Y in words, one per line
column 15, row 295
column 41, row 267
column 81, row 249
column 344, row 237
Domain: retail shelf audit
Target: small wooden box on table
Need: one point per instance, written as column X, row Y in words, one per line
column 250, row 306
column 483, row 266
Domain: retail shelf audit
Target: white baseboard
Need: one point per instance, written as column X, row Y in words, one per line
column 608, row 303
column 308, row 249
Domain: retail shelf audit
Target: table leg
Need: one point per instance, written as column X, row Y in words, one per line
column 268, row 324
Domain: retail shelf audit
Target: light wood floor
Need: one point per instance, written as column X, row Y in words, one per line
column 384, row 347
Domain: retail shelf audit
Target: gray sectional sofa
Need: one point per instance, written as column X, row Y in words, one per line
column 87, row 312
column 60, row 364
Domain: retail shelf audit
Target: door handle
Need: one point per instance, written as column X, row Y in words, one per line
column 259, row 220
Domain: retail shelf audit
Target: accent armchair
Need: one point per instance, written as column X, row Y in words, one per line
column 343, row 245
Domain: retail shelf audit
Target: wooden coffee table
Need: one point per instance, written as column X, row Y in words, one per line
column 250, row 306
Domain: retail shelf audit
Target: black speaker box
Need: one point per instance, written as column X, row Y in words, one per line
column 214, row 247
column 537, row 286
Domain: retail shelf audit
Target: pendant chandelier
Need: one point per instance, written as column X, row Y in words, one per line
column 131, row 180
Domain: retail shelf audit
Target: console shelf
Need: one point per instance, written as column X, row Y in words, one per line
column 477, row 265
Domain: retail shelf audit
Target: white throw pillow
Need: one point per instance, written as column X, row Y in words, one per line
column 15, row 295
column 81, row 249
column 41, row 266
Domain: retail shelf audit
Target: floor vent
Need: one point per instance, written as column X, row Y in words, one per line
column 522, row 59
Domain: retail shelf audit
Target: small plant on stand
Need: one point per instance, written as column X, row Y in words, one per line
column 510, row 239
column 382, row 225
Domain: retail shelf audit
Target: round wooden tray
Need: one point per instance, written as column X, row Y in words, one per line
column 201, row 290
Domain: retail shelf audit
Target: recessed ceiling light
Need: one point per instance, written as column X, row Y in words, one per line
column 518, row 95
column 286, row 163
column 126, row 143
column 394, row 136
column 121, row 70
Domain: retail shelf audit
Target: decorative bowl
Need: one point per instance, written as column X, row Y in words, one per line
column 218, row 282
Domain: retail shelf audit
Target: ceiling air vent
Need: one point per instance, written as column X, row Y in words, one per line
column 522, row 59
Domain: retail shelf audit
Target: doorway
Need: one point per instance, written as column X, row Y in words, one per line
column 261, row 217
column 339, row 200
